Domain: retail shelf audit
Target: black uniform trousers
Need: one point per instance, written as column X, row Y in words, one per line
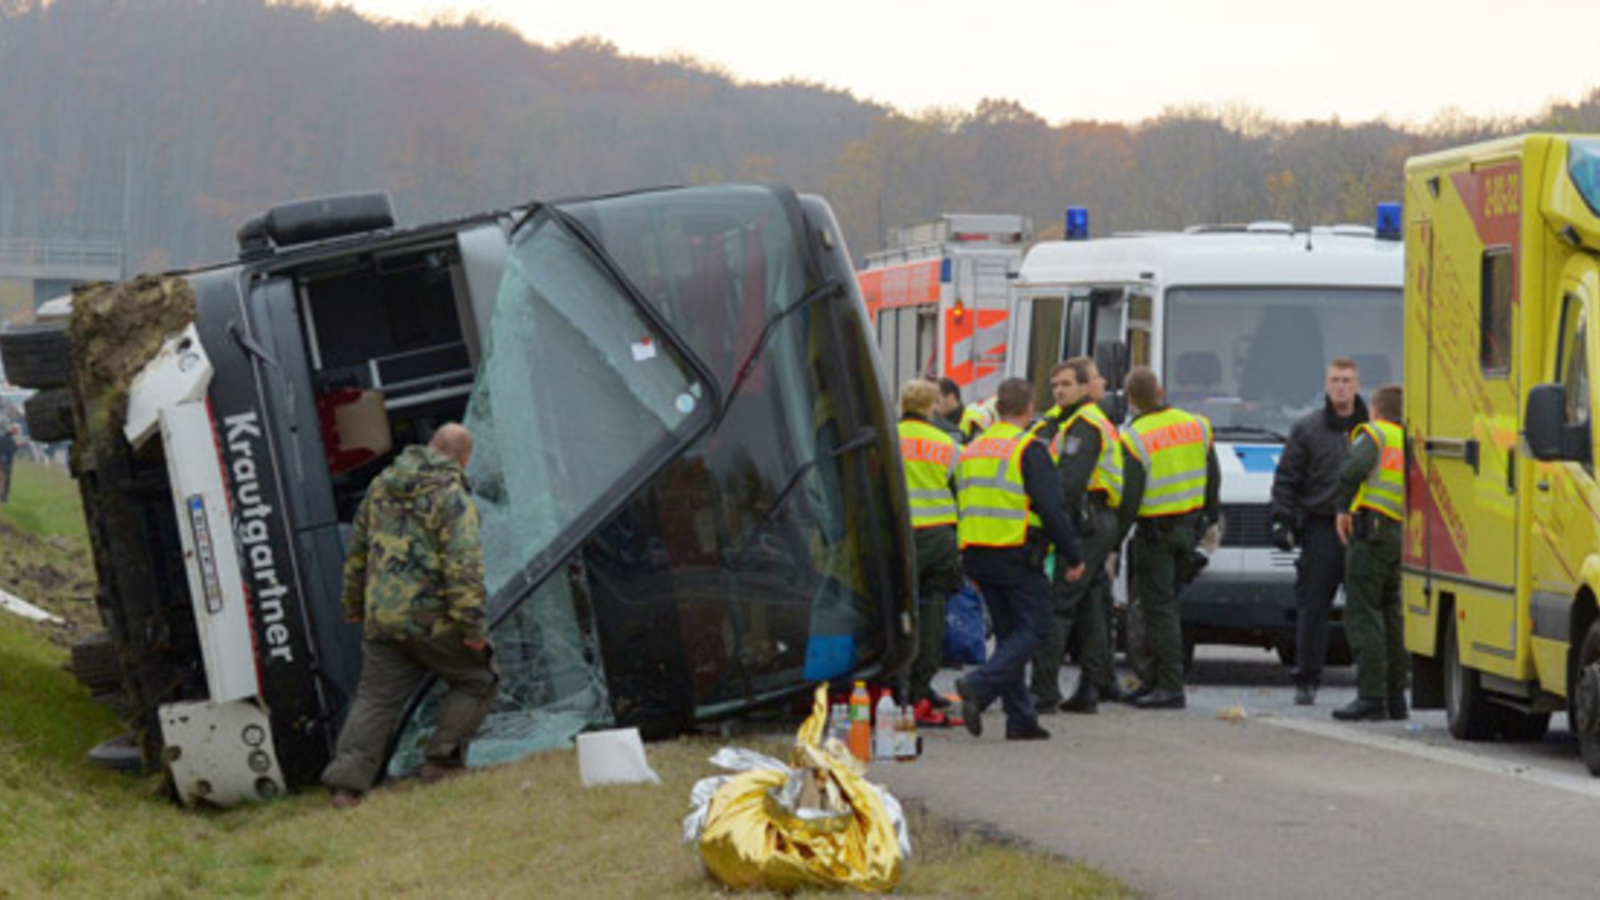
column 1317, row 575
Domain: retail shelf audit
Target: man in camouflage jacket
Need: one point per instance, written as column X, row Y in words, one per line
column 414, row 576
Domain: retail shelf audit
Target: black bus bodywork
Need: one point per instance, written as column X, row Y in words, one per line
column 685, row 468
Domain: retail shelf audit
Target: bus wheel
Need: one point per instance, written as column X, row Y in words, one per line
column 1583, row 711
column 1471, row 716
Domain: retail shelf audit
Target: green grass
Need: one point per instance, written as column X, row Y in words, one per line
column 44, row 503
column 69, row 829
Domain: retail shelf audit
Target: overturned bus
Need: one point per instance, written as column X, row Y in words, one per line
column 684, row 466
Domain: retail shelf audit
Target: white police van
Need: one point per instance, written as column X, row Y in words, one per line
column 1240, row 322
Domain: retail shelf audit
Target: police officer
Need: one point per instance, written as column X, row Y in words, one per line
column 1010, row 507
column 930, row 458
column 1089, row 461
column 1304, row 490
column 947, row 414
column 1372, row 490
column 1170, row 488
column 976, row 418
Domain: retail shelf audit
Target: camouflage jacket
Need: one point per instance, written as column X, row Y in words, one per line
column 415, row 568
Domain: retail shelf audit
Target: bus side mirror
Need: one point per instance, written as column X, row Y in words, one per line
column 1550, row 438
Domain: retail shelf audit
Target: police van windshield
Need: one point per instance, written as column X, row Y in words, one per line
column 1255, row 358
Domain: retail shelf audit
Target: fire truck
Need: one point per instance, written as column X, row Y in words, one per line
column 940, row 299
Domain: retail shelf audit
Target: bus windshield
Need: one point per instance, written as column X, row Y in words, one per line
column 1253, row 359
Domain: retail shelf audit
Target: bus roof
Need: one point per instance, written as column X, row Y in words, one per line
column 1342, row 256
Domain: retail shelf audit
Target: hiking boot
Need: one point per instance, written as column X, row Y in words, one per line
column 1362, row 709
column 435, row 771
column 1046, row 707
column 971, row 709
column 928, row 717
column 343, row 799
column 1133, row 697
column 1305, row 695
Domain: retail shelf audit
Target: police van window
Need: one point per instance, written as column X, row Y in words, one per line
column 1573, row 362
column 1139, row 318
column 1494, row 346
column 1044, row 345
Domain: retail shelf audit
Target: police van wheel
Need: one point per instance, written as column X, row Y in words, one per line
column 1470, row 714
column 1583, row 703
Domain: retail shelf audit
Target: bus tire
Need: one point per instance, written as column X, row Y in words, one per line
column 1583, row 704
column 36, row 355
column 49, row 415
column 1470, row 714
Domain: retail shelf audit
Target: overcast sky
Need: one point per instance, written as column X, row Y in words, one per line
column 1119, row 60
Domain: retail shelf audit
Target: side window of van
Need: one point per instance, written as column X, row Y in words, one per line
column 1494, row 340
column 1573, row 364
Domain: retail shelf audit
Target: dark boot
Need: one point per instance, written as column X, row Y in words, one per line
column 1362, row 709
column 1084, row 700
column 971, row 709
column 1305, row 695
column 1160, row 698
column 1397, row 707
column 1033, row 733
column 1111, row 692
column 1133, row 697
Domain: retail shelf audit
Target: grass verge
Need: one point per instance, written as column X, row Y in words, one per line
column 69, row 829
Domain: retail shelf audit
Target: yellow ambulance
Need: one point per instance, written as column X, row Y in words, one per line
column 1502, row 546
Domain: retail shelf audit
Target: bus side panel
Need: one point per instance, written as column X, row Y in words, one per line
column 1424, row 525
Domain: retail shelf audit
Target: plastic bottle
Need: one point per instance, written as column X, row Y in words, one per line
column 885, row 728
column 861, row 722
column 839, row 723
column 908, row 734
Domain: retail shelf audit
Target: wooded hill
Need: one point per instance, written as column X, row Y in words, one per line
column 170, row 122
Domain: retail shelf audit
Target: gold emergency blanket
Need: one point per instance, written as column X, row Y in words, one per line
column 816, row 822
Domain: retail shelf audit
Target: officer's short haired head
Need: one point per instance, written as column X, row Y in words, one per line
column 949, row 388
column 1079, row 366
column 1144, row 388
column 1388, row 403
column 1014, row 398
column 918, row 397
column 1345, row 363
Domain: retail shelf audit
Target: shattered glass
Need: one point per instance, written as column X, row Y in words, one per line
column 579, row 396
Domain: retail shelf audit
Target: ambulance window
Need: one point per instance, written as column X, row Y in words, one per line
column 1573, row 364
column 1494, row 347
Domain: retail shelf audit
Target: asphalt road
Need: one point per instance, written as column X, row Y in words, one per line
column 1281, row 802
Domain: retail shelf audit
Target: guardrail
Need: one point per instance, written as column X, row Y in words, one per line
column 99, row 254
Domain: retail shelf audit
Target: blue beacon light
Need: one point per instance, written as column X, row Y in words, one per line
column 1077, row 223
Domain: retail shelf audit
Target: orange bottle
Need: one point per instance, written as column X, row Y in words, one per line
column 861, row 722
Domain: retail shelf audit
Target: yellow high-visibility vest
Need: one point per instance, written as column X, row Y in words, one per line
column 930, row 461
column 994, row 503
column 1107, row 477
column 977, row 418
column 1385, row 487
column 1172, row 446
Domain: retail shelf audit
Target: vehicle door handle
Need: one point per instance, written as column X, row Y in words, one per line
column 1542, row 485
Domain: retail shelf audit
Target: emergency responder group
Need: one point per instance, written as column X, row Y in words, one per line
column 1034, row 509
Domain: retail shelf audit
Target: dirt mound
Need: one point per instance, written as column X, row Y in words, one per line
column 53, row 574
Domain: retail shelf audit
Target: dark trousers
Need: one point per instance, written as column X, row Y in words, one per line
column 1082, row 607
column 1164, row 544
column 1317, row 576
column 1372, row 615
column 938, row 575
column 1018, row 599
column 391, row 671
